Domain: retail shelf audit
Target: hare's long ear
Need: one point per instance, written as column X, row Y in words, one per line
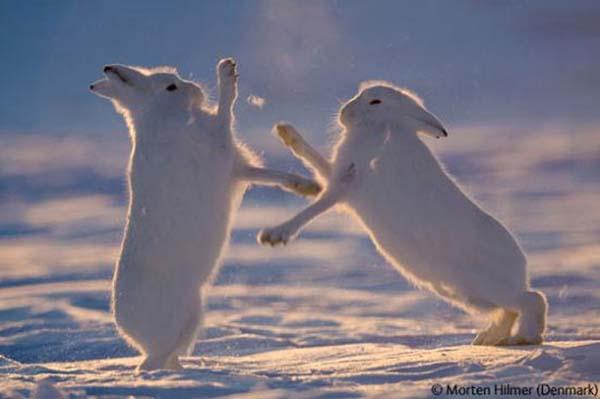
column 429, row 124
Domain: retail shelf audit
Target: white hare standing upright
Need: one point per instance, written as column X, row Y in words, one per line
column 417, row 216
column 187, row 175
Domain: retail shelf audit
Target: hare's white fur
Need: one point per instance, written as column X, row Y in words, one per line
column 416, row 215
column 187, row 174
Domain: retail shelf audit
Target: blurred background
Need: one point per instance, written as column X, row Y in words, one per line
column 516, row 83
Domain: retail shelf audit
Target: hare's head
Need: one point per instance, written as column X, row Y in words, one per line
column 134, row 89
column 383, row 104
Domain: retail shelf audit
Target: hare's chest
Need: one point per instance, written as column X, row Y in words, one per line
column 179, row 166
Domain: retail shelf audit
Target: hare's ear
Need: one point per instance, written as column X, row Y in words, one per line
column 429, row 124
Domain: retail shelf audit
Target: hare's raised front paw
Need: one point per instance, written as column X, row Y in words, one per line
column 227, row 71
column 288, row 134
column 281, row 234
column 304, row 187
column 227, row 68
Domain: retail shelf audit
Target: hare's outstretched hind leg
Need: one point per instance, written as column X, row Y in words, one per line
column 302, row 150
column 532, row 307
column 498, row 330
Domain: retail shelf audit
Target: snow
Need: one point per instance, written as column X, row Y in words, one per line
column 323, row 317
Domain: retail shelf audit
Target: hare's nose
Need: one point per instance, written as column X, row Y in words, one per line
column 108, row 68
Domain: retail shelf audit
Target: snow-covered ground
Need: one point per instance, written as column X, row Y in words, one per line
column 323, row 317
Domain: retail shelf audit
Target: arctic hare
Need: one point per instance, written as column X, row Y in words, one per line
column 415, row 213
column 187, row 174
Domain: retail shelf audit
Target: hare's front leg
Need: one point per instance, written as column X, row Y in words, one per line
column 288, row 181
column 287, row 231
column 303, row 150
column 227, row 79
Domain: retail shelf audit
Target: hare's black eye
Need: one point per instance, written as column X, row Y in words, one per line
column 172, row 87
column 374, row 102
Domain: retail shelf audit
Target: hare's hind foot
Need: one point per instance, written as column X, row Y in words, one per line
column 531, row 308
column 498, row 331
column 516, row 340
column 531, row 323
column 160, row 362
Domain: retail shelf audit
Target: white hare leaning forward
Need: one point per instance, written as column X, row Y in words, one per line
column 418, row 218
column 187, row 175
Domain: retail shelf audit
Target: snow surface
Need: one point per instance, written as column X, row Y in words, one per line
column 323, row 317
